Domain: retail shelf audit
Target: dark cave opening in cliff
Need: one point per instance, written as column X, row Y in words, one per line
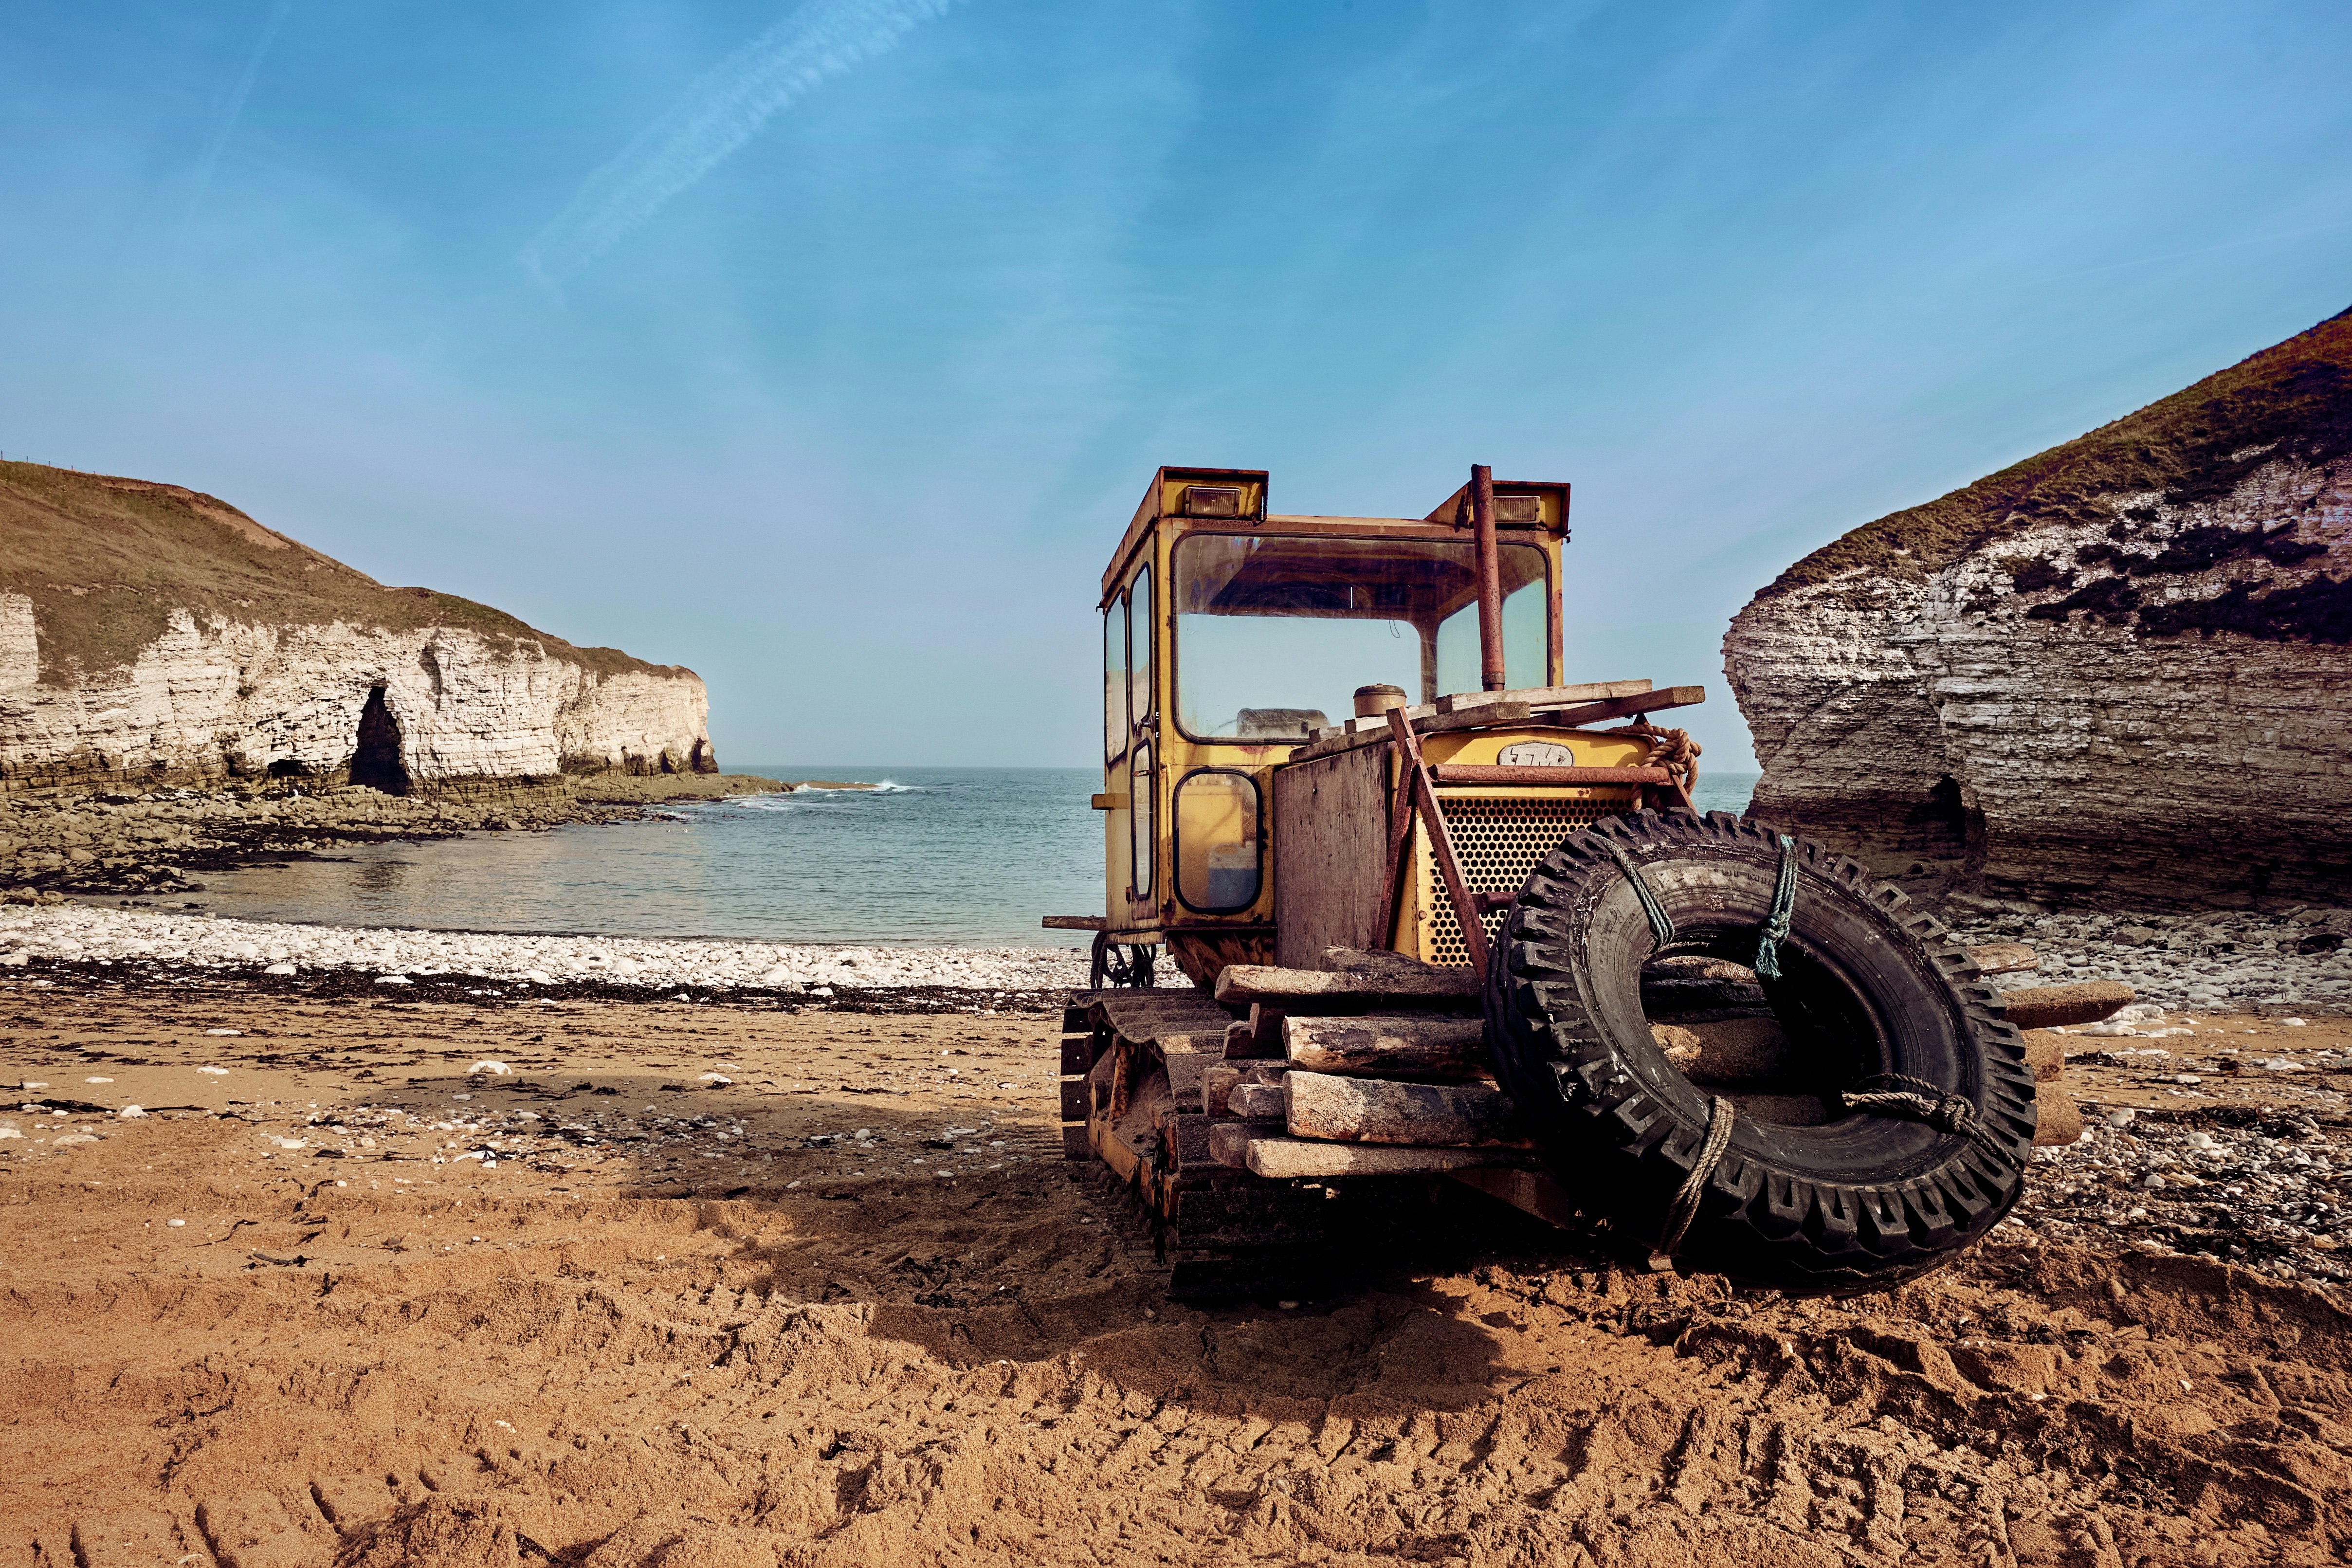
column 1943, row 826
column 376, row 763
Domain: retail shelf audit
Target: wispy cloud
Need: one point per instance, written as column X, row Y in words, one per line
column 723, row 109
column 232, row 111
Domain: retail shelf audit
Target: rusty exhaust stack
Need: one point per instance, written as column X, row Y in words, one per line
column 1490, row 576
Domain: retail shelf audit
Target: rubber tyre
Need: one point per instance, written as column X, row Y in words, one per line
column 1871, row 984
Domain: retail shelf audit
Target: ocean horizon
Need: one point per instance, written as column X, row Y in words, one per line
column 957, row 856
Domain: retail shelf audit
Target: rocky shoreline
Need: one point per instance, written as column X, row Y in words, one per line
column 155, row 844
column 159, row 945
column 2300, row 961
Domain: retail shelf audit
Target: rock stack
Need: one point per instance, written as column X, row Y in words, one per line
column 2119, row 671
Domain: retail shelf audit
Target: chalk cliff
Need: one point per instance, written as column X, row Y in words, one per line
column 2115, row 670
column 149, row 634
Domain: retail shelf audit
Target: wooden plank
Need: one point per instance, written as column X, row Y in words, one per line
column 1216, row 1085
column 1072, row 923
column 1626, row 707
column 2002, row 957
column 1330, row 818
column 1543, row 696
column 1727, row 1053
column 1375, row 961
column 1315, row 989
column 2057, row 1120
column 1260, row 1034
column 1378, row 1111
column 1370, row 731
column 1249, row 1100
column 1385, row 1045
column 1396, row 863
column 2046, row 1053
column 2048, row 1006
column 1229, row 1142
column 1371, row 725
column 1289, row 1158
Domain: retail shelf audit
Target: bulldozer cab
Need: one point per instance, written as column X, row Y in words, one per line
column 1250, row 659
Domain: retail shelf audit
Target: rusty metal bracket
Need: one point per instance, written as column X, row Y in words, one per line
column 1417, row 792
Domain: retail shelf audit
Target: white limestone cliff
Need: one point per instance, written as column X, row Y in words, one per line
column 349, row 680
column 2121, row 670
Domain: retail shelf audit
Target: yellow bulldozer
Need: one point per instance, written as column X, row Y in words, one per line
column 1446, row 916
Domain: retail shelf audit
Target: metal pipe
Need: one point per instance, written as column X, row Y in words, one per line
column 1490, row 576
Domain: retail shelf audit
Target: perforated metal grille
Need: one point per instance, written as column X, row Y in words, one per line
column 1497, row 840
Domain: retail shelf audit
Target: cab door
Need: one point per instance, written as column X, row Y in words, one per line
column 1143, row 761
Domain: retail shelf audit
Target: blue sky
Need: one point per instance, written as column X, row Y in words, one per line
column 826, row 349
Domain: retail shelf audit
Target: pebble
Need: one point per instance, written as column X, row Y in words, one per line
column 77, row 932
column 2235, row 961
column 2261, row 1194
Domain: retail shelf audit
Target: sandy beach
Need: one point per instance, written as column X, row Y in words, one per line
column 381, row 1279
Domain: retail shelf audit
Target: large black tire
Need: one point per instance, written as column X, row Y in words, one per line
column 1871, row 984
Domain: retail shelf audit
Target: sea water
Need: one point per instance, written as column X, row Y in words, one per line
column 930, row 857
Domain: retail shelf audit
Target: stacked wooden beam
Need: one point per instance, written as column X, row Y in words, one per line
column 1375, row 1065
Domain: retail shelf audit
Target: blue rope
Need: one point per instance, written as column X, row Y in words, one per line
column 1784, row 905
column 1662, row 925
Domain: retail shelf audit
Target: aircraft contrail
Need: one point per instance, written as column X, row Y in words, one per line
column 723, row 109
column 210, row 158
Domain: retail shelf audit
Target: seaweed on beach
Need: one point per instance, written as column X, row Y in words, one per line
column 491, row 991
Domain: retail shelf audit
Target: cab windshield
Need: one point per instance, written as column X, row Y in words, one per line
column 1275, row 634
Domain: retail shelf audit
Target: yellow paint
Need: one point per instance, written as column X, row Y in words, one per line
column 1176, row 755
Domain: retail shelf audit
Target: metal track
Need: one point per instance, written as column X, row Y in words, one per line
column 1132, row 1101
